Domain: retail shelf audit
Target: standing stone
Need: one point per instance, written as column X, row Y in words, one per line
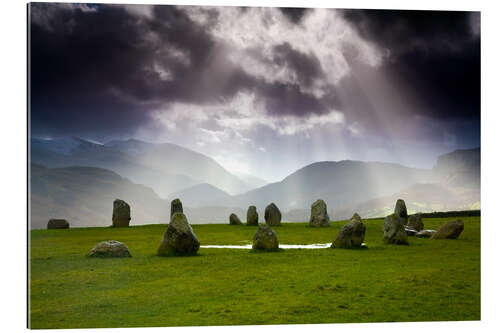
column 252, row 216
column 179, row 238
column 265, row 239
column 110, row 249
column 272, row 215
column 400, row 209
column 234, row 219
column 394, row 225
column 121, row 214
column 450, row 230
column 415, row 222
column 175, row 207
column 351, row 235
column 394, row 230
column 57, row 224
column 319, row 214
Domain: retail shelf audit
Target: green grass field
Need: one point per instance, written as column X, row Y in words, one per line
column 426, row 281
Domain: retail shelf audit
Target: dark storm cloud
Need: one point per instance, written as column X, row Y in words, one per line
column 437, row 54
column 103, row 69
column 100, row 68
column 295, row 15
column 306, row 67
column 81, row 63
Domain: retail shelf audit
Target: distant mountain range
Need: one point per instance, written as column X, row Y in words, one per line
column 340, row 184
column 201, row 195
column 84, row 196
column 78, row 179
column 166, row 168
column 460, row 168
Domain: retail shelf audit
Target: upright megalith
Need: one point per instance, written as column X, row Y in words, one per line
column 252, row 216
column 265, row 239
column 234, row 219
column 449, row 230
column 319, row 215
column 400, row 209
column 179, row 238
column 110, row 249
column 121, row 214
column 175, row 207
column 58, row 224
column 394, row 225
column 351, row 235
column 272, row 215
column 415, row 222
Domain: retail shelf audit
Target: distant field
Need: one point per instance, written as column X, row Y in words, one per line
column 426, row 281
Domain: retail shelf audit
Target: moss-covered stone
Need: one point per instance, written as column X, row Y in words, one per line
column 400, row 209
column 121, row 214
column 175, row 207
column 394, row 230
column 449, row 230
column 252, row 216
column 234, row 219
column 415, row 222
column 58, row 224
column 265, row 239
column 319, row 215
column 351, row 235
column 272, row 215
column 110, row 249
column 179, row 238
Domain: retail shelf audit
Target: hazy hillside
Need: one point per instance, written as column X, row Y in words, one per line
column 340, row 184
column 252, row 181
column 166, row 168
column 201, row 195
column 460, row 168
column 419, row 198
column 174, row 159
column 84, row 196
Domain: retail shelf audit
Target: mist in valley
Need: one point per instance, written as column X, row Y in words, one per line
column 78, row 180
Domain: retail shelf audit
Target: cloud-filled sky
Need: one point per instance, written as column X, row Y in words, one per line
column 264, row 91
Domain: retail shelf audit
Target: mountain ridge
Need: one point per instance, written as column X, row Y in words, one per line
column 368, row 188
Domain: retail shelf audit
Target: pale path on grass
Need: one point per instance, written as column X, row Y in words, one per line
column 282, row 246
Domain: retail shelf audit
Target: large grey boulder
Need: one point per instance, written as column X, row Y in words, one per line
column 450, row 230
column 351, row 235
column 110, row 249
column 121, row 214
column 415, row 222
column 319, row 215
column 252, row 216
column 179, row 238
column 58, row 224
column 272, row 215
column 234, row 219
column 265, row 239
column 175, row 207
